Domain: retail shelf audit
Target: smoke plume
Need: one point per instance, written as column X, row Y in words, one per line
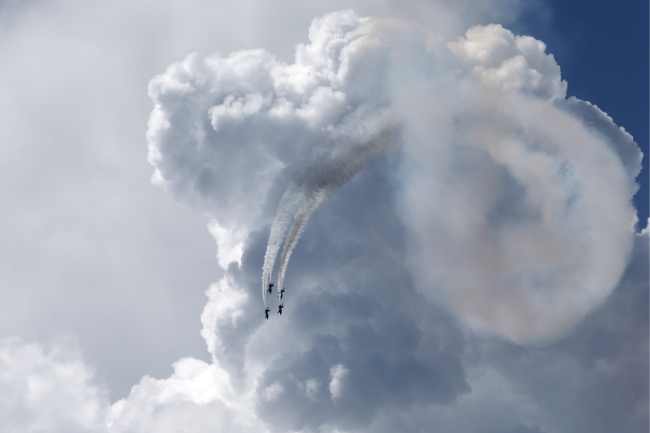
column 353, row 147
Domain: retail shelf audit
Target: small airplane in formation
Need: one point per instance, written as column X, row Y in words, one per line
column 280, row 307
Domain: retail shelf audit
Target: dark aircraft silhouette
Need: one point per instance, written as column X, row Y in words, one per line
column 270, row 290
column 266, row 313
column 281, row 292
column 280, row 307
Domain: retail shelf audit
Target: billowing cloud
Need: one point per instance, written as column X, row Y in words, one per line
column 454, row 183
column 48, row 390
column 498, row 194
column 593, row 381
column 496, row 198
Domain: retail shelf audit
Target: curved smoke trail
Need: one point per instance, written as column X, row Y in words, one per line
column 289, row 205
column 301, row 221
column 352, row 149
column 336, row 172
column 324, row 175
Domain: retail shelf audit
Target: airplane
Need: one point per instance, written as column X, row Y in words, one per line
column 270, row 290
column 266, row 313
column 281, row 292
column 280, row 307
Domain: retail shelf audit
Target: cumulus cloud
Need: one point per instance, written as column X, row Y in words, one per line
column 504, row 201
column 197, row 397
column 48, row 389
column 505, row 183
column 462, row 188
column 594, row 381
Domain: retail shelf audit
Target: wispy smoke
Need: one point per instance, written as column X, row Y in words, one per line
column 518, row 201
column 353, row 148
column 356, row 144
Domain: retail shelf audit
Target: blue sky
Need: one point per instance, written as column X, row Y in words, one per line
column 602, row 48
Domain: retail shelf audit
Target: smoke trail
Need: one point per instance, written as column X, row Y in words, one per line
column 325, row 177
column 356, row 144
column 289, row 205
column 301, row 221
column 293, row 204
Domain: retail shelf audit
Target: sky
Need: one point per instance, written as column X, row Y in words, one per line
column 442, row 186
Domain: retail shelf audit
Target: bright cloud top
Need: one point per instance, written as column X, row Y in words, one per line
column 517, row 201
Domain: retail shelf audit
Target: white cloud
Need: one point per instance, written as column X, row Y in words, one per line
column 338, row 374
column 224, row 309
column 499, row 195
column 502, row 184
column 273, row 391
column 230, row 243
column 518, row 63
column 197, row 397
column 48, row 390
column 88, row 246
